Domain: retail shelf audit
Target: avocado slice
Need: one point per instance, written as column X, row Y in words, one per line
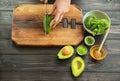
column 46, row 23
column 77, row 66
column 66, row 52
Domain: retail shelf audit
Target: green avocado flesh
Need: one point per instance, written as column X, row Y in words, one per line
column 82, row 50
column 77, row 66
column 89, row 40
column 62, row 56
column 46, row 23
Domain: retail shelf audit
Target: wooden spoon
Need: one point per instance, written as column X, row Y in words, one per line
column 97, row 53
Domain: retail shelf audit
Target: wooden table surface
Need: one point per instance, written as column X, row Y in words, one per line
column 41, row 63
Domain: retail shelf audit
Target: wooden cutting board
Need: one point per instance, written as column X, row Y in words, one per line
column 27, row 27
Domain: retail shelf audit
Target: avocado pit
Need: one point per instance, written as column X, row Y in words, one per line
column 66, row 51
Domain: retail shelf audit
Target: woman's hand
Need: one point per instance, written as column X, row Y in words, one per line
column 60, row 7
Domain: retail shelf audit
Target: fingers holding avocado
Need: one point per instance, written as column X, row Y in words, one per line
column 49, row 22
column 57, row 19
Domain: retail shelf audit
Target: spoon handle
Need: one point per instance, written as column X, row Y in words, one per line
column 103, row 39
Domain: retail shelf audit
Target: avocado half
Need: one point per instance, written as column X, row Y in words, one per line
column 46, row 23
column 77, row 66
column 70, row 51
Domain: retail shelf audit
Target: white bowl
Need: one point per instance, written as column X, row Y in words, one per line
column 97, row 13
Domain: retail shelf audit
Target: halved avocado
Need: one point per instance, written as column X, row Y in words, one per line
column 77, row 66
column 66, row 52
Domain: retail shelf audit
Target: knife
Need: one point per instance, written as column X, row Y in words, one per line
column 45, row 7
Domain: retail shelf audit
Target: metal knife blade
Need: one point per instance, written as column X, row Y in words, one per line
column 45, row 8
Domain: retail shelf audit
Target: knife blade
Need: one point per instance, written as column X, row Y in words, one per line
column 45, row 8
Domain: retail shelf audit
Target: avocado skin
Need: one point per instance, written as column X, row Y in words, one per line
column 46, row 23
column 60, row 56
column 74, row 66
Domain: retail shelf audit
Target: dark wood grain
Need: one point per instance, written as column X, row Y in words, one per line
column 85, row 5
column 98, row 4
column 58, row 76
column 19, row 63
column 111, row 45
column 30, row 63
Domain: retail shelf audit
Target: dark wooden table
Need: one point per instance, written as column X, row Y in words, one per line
column 41, row 63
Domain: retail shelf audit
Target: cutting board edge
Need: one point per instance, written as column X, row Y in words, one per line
column 14, row 40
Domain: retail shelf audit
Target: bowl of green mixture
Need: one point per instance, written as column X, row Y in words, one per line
column 89, row 40
column 82, row 50
column 96, row 22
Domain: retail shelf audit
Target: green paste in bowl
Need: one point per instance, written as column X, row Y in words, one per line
column 82, row 50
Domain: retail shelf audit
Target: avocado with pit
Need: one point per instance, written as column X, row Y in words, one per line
column 77, row 66
column 66, row 52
